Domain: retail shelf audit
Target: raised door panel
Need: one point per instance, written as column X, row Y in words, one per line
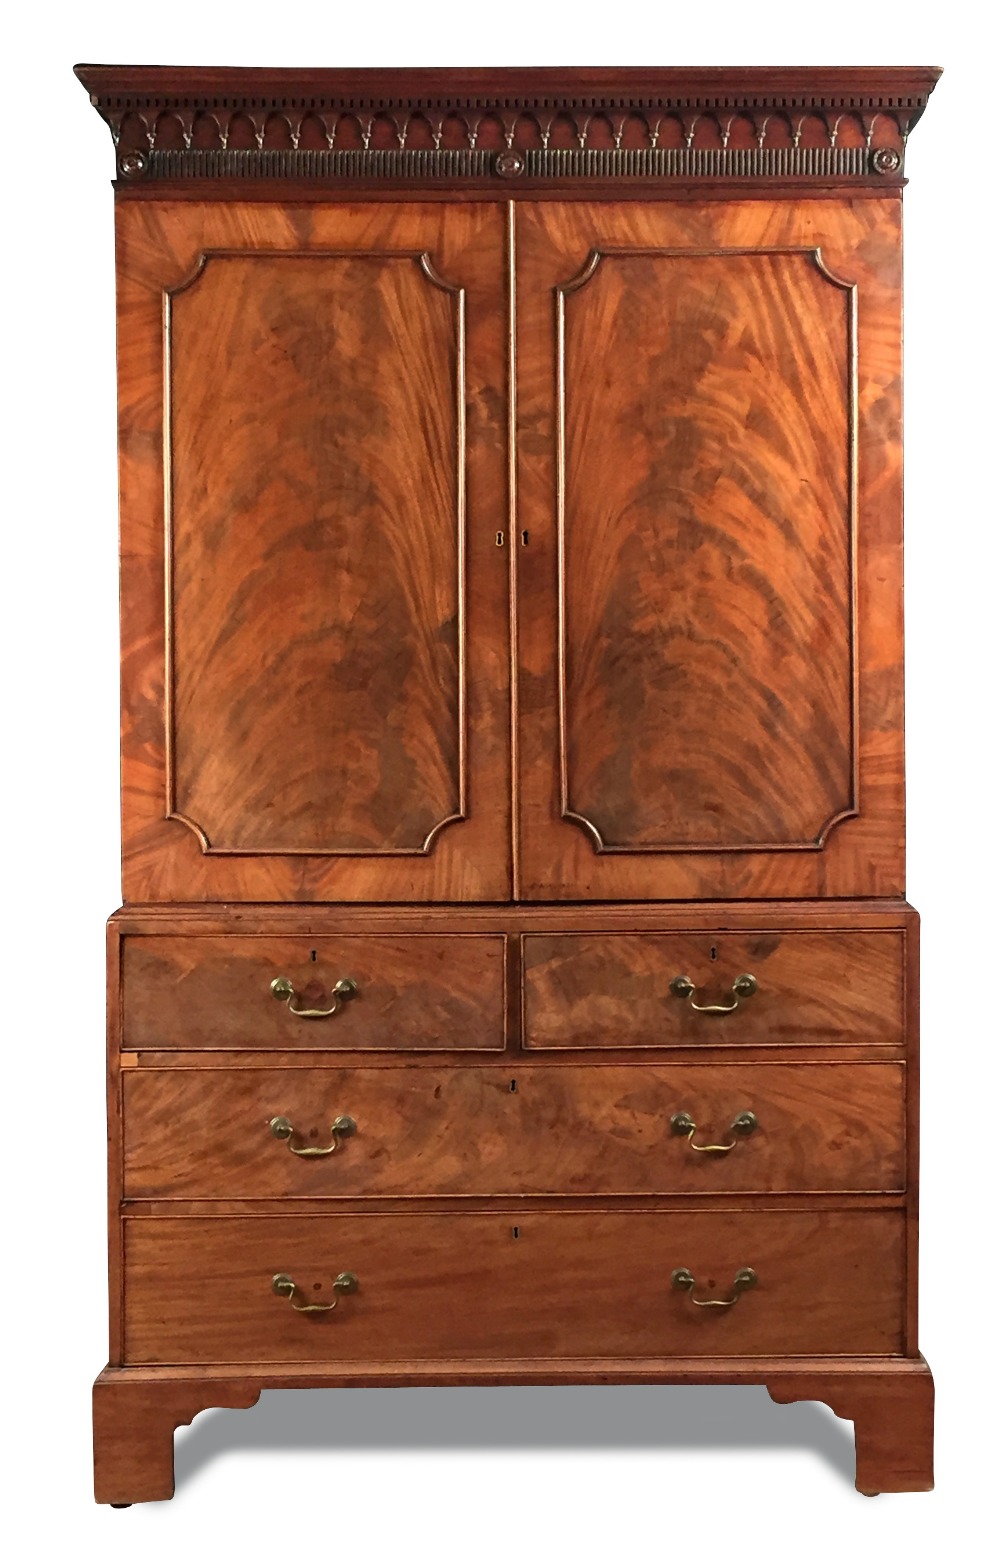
column 316, row 652
column 709, row 598
column 315, row 566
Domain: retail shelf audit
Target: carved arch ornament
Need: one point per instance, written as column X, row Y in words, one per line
column 425, row 264
column 850, row 807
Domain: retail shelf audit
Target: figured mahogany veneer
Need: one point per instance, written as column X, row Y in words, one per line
column 613, row 990
column 468, row 1132
column 413, row 990
column 511, row 586
column 365, row 352
column 694, row 520
column 464, row 1286
column 726, row 647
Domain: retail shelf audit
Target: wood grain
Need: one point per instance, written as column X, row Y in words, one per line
column 473, row 1131
column 706, row 495
column 707, row 552
column 317, row 526
column 613, row 990
column 317, row 589
column 412, row 991
column 463, row 1286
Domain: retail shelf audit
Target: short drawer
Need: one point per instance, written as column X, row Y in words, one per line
column 488, row 1285
column 693, row 989
column 397, row 992
column 531, row 1128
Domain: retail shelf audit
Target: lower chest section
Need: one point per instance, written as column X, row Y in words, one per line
column 342, row 1138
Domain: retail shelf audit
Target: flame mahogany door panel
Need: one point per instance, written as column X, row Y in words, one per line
column 313, row 473
column 710, row 635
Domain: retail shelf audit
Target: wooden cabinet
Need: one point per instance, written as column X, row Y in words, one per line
column 512, row 743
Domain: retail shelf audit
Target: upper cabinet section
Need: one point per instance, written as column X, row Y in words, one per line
column 316, row 676
column 511, row 493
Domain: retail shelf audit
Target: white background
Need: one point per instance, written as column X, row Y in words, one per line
column 479, row 1470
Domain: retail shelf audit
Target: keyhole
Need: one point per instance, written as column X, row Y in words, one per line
column 516, row 1232
column 317, row 1288
column 312, row 955
column 513, row 1087
column 710, row 1283
column 524, row 536
column 499, row 536
column 713, row 954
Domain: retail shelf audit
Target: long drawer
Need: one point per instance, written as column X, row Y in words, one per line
column 698, row 989
column 319, row 992
column 531, row 1128
column 423, row 1286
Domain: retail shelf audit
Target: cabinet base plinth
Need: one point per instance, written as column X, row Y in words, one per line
column 137, row 1408
column 893, row 1415
column 134, row 1424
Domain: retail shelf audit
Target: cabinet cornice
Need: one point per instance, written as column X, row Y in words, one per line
column 517, row 130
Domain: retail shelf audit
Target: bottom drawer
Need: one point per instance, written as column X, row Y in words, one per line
column 493, row 1286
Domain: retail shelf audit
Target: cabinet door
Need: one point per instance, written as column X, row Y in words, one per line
column 709, row 596
column 315, row 611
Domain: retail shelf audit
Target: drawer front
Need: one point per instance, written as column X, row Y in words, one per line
column 411, row 991
column 465, row 1286
column 614, row 990
column 530, row 1128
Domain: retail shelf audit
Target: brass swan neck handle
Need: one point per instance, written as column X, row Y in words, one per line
column 683, row 1124
column 744, row 1279
column 340, row 1127
column 284, row 990
column 744, row 987
column 343, row 1284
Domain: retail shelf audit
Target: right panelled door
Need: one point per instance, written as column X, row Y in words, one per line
column 709, row 595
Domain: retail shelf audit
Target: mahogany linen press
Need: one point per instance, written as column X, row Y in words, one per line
column 515, row 981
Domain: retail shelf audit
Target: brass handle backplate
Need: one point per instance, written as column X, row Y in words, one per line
column 341, row 991
column 744, row 1279
column 744, row 987
column 344, row 1284
column 340, row 1127
column 683, row 1124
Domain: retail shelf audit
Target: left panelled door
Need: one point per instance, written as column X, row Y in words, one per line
column 314, row 604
